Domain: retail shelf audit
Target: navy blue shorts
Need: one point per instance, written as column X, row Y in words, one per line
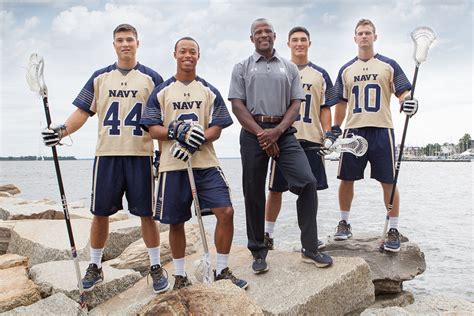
column 174, row 196
column 380, row 154
column 115, row 175
column 277, row 182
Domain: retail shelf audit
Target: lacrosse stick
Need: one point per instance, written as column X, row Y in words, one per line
column 356, row 145
column 203, row 269
column 35, row 79
column 423, row 37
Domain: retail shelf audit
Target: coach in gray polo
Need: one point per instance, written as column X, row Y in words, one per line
column 266, row 93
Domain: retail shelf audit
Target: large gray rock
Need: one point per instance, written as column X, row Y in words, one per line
column 5, row 235
column 60, row 277
column 427, row 305
column 10, row 188
column 57, row 304
column 219, row 298
column 294, row 287
column 121, row 235
column 16, row 289
column 388, row 270
column 135, row 256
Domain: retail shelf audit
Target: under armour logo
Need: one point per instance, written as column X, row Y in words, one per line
column 187, row 94
column 365, row 69
column 123, row 83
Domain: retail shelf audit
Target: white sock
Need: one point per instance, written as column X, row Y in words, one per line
column 393, row 222
column 222, row 262
column 269, row 228
column 345, row 216
column 96, row 256
column 154, row 254
column 179, row 266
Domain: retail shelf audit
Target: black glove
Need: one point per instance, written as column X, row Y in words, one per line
column 182, row 151
column 409, row 106
column 191, row 134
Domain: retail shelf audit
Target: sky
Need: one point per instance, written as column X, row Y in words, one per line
column 75, row 39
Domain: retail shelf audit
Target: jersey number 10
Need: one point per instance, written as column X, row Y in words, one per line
column 371, row 87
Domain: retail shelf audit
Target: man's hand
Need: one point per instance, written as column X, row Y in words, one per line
column 273, row 151
column 191, row 134
column 409, row 106
column 182, row 151
column 53, row 135
column 268, row 137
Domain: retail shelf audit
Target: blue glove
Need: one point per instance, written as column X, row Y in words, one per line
column 191, row 134
column 182, row 151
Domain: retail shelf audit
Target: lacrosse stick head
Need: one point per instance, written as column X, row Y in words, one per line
column 356, row 145
column 202, row 269
column 34, row 75
column 423, row 37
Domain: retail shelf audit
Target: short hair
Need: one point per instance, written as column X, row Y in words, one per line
column 186, row 38
column 257, row 21
column 298, row 29
column 125, row 28
column 364, row 22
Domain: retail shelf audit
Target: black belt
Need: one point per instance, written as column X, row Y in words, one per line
column 268, row 118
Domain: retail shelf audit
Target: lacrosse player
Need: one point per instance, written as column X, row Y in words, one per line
column 313, row 125
column 266, row 94
column 364, row 86
column 187, row 114
column 124, row 153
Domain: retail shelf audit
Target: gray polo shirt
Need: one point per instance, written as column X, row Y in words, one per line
column 266, row 86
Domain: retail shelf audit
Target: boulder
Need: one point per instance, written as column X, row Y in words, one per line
column 388, row 270
column 5, row 235
column 135, row 256
column 294, row 287
column 60, row 277
column 12, row 260
column 10, row 188
column 16, row 289
column 401, row 299
column 57, row 304
column 5, row 194
column 218, row 298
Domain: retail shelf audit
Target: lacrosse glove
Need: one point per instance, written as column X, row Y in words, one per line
column 409, row 106
column 182, row 151
column 191, row 134
column 53, row 135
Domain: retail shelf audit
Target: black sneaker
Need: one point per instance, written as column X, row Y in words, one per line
column 94, row 275
column 321, row 244
column 259, row 265
column 268, row 241
column 226, row 274
column 160, row 282
column 343, row 231
column 321, row 260
column 181, row 282
column 392, row 241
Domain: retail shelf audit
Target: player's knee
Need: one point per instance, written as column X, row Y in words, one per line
column 225, row 215
column 176, row 228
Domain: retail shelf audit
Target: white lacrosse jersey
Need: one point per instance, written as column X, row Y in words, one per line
column 196, row 101
column 118, row 100
column 367, row 86
column 319, row 93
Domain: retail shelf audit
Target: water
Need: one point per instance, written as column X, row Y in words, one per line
column 436, row 211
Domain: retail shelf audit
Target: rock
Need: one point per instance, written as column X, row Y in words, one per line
column 16, row 289
column 5, row 236
column 388, row 270
column 427, row 305
column 339, row 289
column 5, row 194
column 57, row 304
column 135, row 256
column 121, row 235
column 10, row 188
column 12, row 260
column 400, row 299
column 60, row 277
column 219, row 298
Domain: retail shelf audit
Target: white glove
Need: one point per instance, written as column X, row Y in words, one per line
column 53, row 135
column 182, row 152
column 410, row 107
column 195, row 136
column 328, row 142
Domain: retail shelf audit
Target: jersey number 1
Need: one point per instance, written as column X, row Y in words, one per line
column 132, row 119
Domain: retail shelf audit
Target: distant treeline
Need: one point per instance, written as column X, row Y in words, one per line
column 10, row 158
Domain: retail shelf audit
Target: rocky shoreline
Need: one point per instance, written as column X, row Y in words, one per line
column 38, row 277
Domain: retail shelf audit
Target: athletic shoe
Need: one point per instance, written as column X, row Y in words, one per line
column 94, row 275
column 268, row 241
column 226, row 274
column 259, row 265
column 343, row 231
column 181, row 282
column 321, row 260
column 321, row 244
column 392, row 241
column 160, row 282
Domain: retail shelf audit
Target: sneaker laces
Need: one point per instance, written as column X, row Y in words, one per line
column 156, row 274
column 342, row 227
column 393, row 235
column 227, row 274
column 92, row 273
column 180, row 282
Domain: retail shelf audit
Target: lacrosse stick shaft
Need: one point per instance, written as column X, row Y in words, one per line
column 400, row 156
column 202, row 231
column 82, row 301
